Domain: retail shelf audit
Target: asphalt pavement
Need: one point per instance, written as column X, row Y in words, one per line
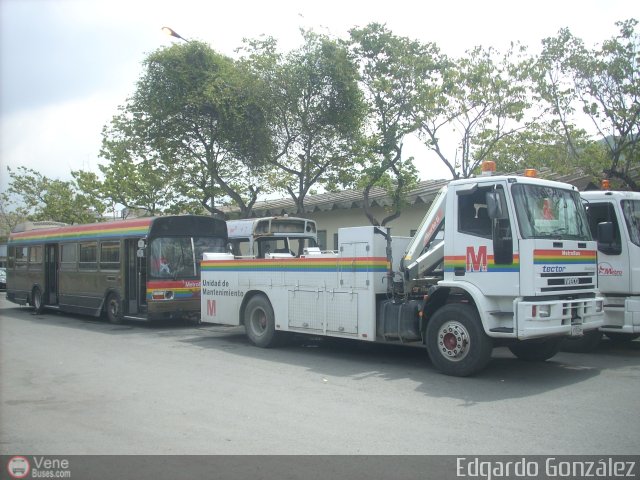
column 74, row 385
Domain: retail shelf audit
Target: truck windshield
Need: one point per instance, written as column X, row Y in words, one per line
column 631, row 210
column 549, row 212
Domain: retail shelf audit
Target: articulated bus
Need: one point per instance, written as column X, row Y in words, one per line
column 142, row 268
column 272, row 237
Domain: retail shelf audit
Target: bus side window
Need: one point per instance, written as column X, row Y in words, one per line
column 69, row 256
column 21, row 258
column 35, row 257
column 88, row 256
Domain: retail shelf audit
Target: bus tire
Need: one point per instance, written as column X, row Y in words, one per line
column 36, row 300
column 456, row 341
column 259, row 322
column 113, row 307
column 536, row 350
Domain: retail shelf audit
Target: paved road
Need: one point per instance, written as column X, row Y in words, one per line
column 78, row 385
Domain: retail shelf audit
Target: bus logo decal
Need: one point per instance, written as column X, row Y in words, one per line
column 477, row 262
column 211, row 308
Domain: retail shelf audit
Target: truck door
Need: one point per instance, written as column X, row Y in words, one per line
column 613, row 262
column 484, row 250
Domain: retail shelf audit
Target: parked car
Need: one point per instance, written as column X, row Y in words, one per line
column 3, row 278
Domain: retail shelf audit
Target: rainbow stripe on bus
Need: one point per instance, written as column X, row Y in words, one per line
column 94, row 231
column 352, row 264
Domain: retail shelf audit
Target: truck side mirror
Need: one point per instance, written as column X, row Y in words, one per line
column 496, row 208
column 606, row 241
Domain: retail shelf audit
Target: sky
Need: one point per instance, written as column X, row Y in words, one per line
column 66, row 65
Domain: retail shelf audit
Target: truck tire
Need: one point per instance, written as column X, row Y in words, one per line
column 36, row 300
column 536, row 350
column 456, row 342
column 585, row 344
column 621, row 338
column 259, row 322
column 113, row 308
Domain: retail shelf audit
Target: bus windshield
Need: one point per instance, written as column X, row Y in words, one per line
column 549, row 212
column 179, row 257
column 631, row 210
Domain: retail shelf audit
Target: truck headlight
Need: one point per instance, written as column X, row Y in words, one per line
column 544, row 311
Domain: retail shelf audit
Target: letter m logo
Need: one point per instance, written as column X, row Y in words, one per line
column 477, row 262
column 211, row 308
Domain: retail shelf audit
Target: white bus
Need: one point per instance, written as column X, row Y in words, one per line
column 272, row 237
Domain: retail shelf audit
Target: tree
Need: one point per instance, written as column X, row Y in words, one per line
column 480, row 100
column 9, row 219
column 42, row 198
column 602, row 85
column 197, row 115
column 134, row 175
column 545, row 145
column 315, row 112
column 389, row 68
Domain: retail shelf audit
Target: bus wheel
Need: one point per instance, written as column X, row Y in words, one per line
column 259, row 322
column 36, row 300
column 456, row 342
column 114, row 308
column 536, row 350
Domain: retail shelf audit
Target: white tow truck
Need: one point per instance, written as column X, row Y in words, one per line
column 498, row 260
column 614, row 219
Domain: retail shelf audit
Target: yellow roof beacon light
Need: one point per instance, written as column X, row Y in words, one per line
column 605, row 184
column 530, row 172
column 488, row 167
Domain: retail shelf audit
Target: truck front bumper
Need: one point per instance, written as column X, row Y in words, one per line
column 573, row 317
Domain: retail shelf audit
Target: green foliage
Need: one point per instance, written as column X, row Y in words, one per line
column 37, row 197
column 203, row 131
column 390, row 69
column 194, row 129
column 314, row 112
column 601, row 85
column 544, row 146
column 480, row 100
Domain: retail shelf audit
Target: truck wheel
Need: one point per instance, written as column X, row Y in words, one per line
column 620, row 338
column 587, row 343
column 536, row 350
column 259, row 322
column 36, row 300
column 114, row 308
column 456, row 342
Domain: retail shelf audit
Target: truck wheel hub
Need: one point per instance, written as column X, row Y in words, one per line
column 453, row 341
